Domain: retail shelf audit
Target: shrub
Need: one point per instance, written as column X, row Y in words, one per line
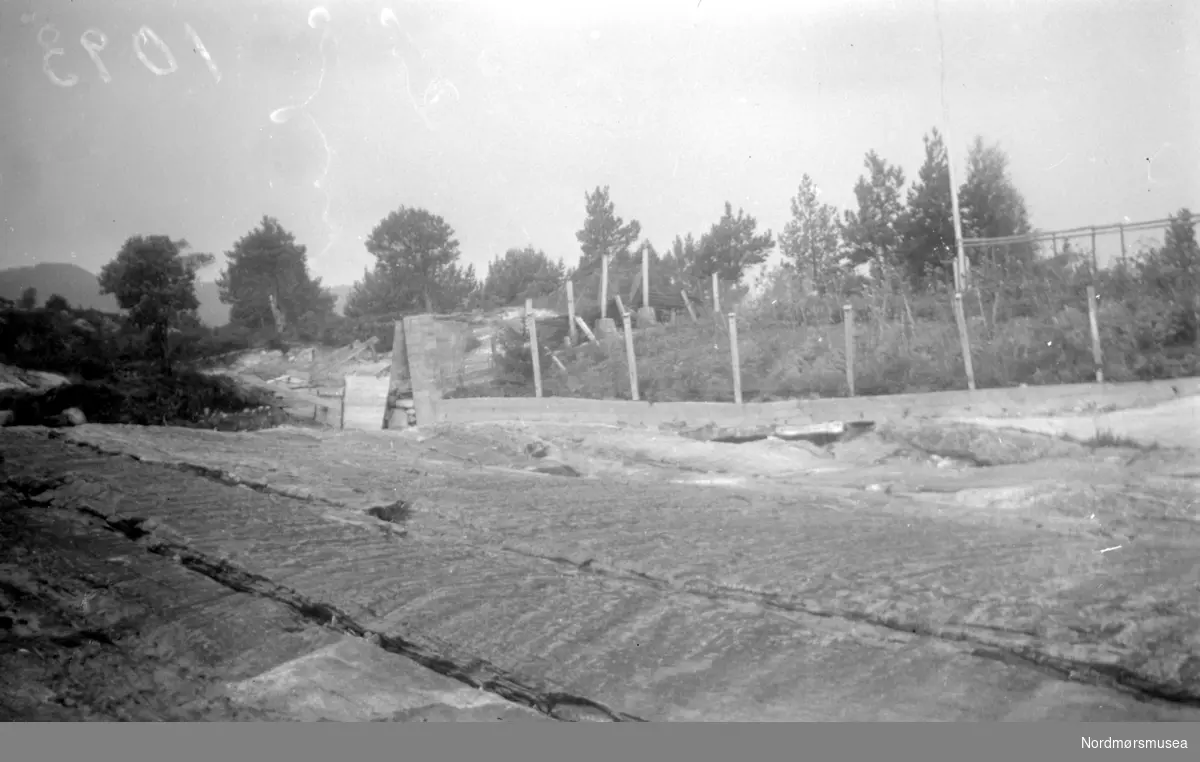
column 114, row 376
column 140, row 396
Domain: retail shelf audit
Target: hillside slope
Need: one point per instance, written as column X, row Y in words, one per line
column 78, row 286
column 82, row 289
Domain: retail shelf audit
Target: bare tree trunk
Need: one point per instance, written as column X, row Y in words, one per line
column 276, row 313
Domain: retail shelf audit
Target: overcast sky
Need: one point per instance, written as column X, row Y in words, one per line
column 677, row 105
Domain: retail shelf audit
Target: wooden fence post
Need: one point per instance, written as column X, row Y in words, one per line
column 646, row 278
column 735, row 359
column 1097, row 356
column 688, row 303
column 1122, row 243
column 586, row 331
column 633, row 374
column 848, row 325
column 603, row 286
column 531, row 322
column 716, row 289
column 571, row 313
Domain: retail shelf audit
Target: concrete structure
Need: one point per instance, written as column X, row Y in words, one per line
column 983, row 402
column 365, row 403
column 606, row 329
column 401, row 383
column 428, row 356
column 422, row 343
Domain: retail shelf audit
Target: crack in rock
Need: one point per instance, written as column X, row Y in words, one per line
column 475, row 672
column 1089, row 672
column 399, row 510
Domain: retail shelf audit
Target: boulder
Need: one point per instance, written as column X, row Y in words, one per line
column 18, row 379
column 72, row 416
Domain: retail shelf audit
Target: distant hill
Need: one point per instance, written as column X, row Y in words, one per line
column 72, row 282
column 82, row 289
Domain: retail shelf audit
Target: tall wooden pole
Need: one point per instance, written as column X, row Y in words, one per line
column 1097, row 352
column 1095, row 260
column 960, row 280
column 960, row 270
column 571, row 313
column 960, row 318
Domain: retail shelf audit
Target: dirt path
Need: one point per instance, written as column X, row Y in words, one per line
column 624, row 597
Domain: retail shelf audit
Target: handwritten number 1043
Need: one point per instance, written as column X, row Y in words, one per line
column 95, row 41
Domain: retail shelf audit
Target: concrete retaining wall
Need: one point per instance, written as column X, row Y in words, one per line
column 1038, row 400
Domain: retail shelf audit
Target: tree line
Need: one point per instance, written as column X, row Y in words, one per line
column 902, row 233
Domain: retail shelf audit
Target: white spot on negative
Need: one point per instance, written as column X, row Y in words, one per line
column 317, row 13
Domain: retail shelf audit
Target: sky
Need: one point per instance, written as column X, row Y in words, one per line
column 500, row 116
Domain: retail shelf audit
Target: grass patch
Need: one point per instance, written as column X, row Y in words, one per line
column 1027, row 325
column 1107, row 438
